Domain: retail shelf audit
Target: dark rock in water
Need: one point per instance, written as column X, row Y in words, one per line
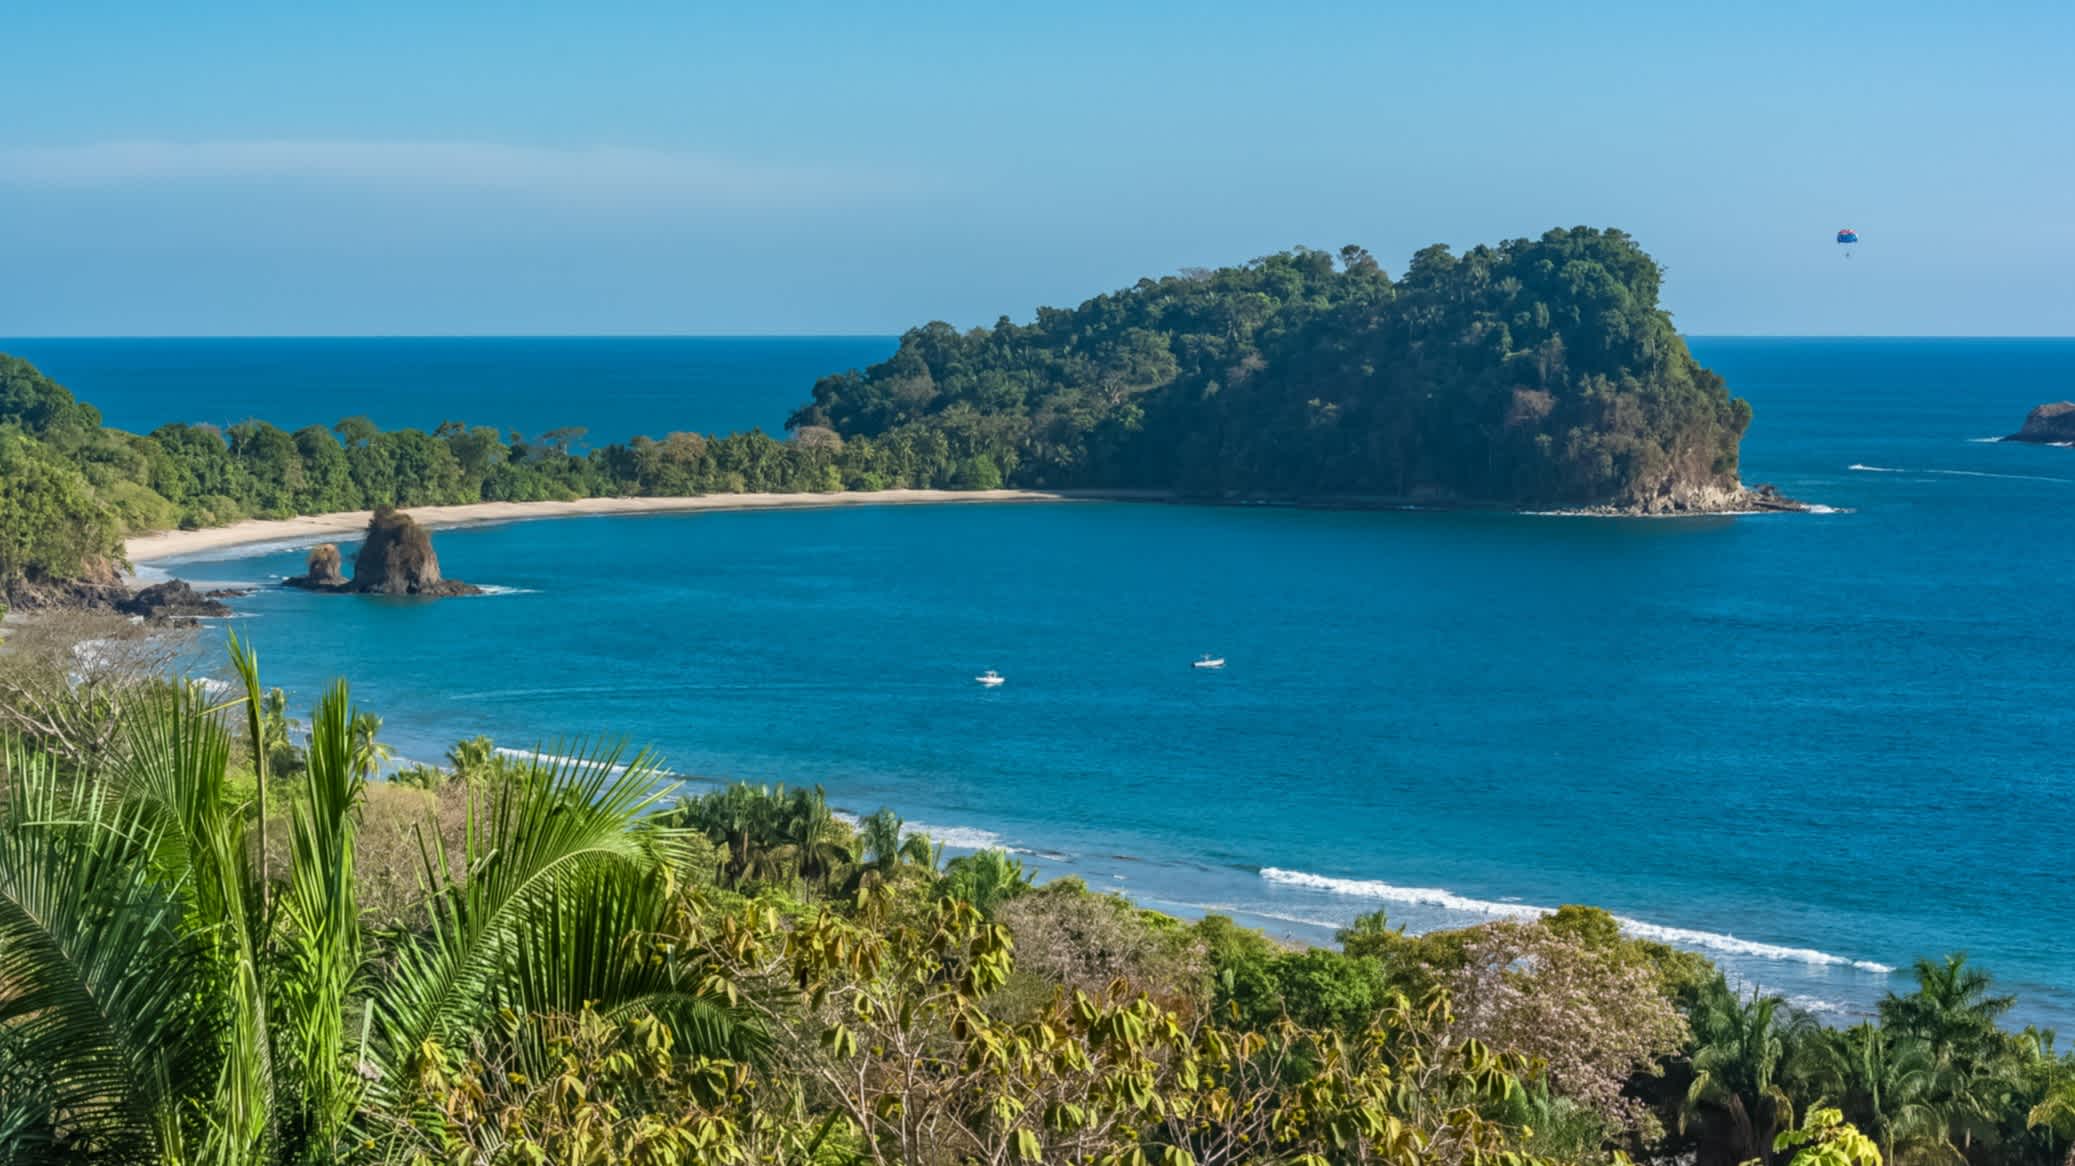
column 2049, row 425
column 322, row 574
column 173, row 599
column 396, row 559
column 1768, row 497
column 99, row 587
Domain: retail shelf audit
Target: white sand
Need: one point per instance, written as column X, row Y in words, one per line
column 149, row 548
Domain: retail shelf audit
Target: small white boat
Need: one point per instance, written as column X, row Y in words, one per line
column 989, row 679
column 1210, row 661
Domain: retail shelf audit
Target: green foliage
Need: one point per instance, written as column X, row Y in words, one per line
column 567, row 983
column 986, row 879
column 51, row 524
column 1824, row 1138
column 775, row 836
column 1538, row 371
column 40, row 406
column 1535, row 371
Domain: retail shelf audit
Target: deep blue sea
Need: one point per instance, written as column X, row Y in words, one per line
column 1812, row 746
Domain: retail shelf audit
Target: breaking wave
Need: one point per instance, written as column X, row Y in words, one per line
column 1450, row 901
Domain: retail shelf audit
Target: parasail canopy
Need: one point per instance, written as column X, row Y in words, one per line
column 1848, row 236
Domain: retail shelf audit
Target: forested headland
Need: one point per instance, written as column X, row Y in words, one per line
column 1535, row 373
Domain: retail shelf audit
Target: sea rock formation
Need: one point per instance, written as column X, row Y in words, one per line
column 323, row 572
column 396, row 559
column 173, row 599
column 2049, row 425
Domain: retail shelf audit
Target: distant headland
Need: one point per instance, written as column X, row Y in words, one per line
column 2052, row 424
column 1538, row 374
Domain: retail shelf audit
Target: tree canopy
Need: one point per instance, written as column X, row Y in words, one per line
column 1536, row 371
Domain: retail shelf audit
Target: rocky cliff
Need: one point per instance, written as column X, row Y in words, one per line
column 2049, row 425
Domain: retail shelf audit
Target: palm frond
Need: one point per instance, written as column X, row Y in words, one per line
column 99, row 1016
column 319, row 925
column 552, row 822
column 176, row 762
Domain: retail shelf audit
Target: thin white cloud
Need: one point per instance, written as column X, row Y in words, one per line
column 604, row 174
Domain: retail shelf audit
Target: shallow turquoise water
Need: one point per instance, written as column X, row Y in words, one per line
column 1841, row 739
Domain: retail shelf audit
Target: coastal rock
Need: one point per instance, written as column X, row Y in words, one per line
column 396, row 559
column 322, row 573
column 2049, row 425
column 173, row 599
column 1696, row 501
column 97, row 588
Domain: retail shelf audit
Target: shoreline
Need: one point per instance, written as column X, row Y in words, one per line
column 146, row 549
column 160, row 546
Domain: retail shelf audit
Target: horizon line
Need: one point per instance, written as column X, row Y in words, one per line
column 838, row 335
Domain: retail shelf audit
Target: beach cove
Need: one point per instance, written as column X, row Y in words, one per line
column 1421, row 713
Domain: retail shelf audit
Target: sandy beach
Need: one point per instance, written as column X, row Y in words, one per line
column 173, row 544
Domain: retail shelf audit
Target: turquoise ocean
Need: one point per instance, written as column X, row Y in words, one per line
column 1812, row 746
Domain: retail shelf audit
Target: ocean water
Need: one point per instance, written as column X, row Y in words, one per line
column 617, row 387
column 1812, row 746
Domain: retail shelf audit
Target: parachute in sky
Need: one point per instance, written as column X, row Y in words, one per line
column 1847, row 239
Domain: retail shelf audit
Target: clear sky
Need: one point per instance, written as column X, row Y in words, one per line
column 764, row 166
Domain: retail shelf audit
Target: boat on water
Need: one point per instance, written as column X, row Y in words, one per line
column 989, row 679
column 1209, row 661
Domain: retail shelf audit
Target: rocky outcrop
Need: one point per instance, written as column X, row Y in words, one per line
column 173, row 599
column 396, row 559
column 97, row 588
column 322, row 573
column 2049, row 425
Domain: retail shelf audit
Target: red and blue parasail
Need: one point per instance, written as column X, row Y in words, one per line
column 1845, row 239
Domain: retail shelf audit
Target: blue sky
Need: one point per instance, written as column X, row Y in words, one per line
column 624, row 167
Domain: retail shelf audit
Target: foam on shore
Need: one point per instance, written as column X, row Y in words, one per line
column 1450, row 901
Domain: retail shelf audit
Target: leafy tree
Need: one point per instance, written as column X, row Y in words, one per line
column 51, row 525
column 40, row 406
column 1824, row 1138
column 986, row 879
column 1535, row 371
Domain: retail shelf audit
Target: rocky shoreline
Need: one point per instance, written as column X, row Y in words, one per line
column 1694, row 502
column 109, row 591
column 2051, row 424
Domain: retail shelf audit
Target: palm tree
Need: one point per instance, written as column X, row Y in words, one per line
column 1954, row 1012
column 986, row 879
column 2055, row 1113
column 473, row 759
column 156, row 1006
column 1887, row 1085
column 1741, row 1047
column 368, row 753
column 817, row 845
column 884, row 845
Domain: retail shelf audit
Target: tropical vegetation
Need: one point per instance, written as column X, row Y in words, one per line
column 1537, row 371
column 229, row 937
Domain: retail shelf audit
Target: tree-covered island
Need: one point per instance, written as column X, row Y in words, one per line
column 1537, row 373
